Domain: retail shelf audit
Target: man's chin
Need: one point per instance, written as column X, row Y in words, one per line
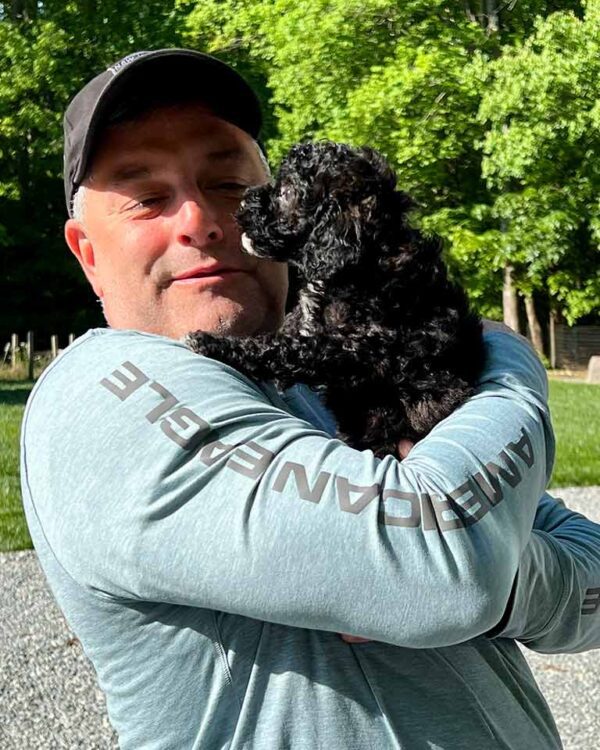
column 236, row 320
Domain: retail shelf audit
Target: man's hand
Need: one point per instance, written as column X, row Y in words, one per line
column 404, row 447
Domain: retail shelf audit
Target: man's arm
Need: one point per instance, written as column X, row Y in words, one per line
column 163, row 476
column 555, row 606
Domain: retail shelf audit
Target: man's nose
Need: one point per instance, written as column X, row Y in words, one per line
column 198, row 222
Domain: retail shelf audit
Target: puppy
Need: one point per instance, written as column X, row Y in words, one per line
column 378, row 328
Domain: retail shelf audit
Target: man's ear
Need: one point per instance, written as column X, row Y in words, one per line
column 82, row 248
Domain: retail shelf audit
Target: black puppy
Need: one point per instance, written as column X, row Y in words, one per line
column 378, row 327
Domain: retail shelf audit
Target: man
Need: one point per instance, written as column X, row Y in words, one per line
column 205, row 535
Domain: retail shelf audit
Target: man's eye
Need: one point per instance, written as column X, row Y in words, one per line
column 148, row 202
column 151, row 200
column 230, row 187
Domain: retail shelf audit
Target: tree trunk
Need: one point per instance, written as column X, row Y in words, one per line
column 16, row 10
column 535, row 329
column 510, row 302
column 493, row 16
column 553, row 339
column 23, row 10
column 471, row 15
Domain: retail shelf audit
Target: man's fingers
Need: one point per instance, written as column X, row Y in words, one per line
column 404, row 447
column 354, row 639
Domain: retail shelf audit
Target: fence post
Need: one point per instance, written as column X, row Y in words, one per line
column 30, row 355
column 14, row 350
column 553, row 339
column 71, row 338
column 54, row 345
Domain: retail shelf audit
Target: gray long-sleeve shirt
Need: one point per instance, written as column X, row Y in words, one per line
column 207, row 539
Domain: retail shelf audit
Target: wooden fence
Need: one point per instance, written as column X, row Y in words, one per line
column 20, row 354
column 573, row 346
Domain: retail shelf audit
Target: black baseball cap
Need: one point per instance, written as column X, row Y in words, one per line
column 140, row 74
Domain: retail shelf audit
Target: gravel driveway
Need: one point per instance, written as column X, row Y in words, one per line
column 48, row 697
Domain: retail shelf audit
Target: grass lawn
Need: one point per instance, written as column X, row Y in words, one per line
column 575, row 408
column 13, row 529
column 575, row 411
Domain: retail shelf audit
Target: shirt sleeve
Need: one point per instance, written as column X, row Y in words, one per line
column 160, row 475
column 556, row 600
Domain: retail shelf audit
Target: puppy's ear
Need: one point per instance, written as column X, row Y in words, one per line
column 364, row 213
column 381, row 209
column 402, row 202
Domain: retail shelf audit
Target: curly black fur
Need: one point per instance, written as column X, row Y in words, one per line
column 378, row 327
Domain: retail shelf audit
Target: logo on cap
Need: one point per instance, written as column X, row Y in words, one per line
column 114, row 69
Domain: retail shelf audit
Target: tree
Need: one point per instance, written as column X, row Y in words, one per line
column 542, row 115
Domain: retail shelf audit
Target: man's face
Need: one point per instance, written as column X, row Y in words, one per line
column 157, row 239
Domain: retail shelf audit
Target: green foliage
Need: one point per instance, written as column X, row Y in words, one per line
column 542, row 115
column 36, row 70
